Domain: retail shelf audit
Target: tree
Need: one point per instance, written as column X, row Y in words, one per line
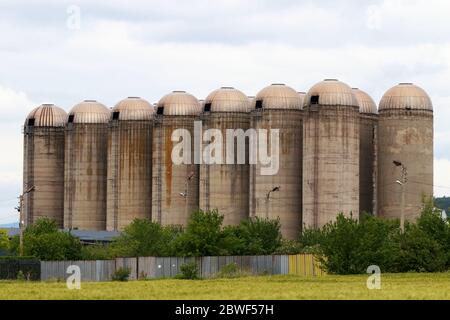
column 349, row 246
column 4, row 240
column 203, row 235
column 44, row 241
column 254, row 236
column 143, row 238
column 419, row 252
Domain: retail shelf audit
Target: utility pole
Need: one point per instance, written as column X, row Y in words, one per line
column 21, row 219
column 402, row 182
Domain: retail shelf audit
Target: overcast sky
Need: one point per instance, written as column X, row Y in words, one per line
column 67, row 51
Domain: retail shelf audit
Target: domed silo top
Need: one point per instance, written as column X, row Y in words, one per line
column 46, row 115
column 132, row 108
column 278, row 96
column 89, row 111
column 178, row 103
column 331, row 92
column 406, row 96
column 365, row 102
column 227, row 99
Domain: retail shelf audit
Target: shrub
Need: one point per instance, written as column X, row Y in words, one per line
column 254, row 236
column 418, row 252
column 432, row 224
column 44, row 241
column 203, row 235
column 289, row 247
column 96, row 251
column 349, row 246
column 145, row 238
column 230, row 270
column 20, row 276
column 188, row 271
column 4, row 240
column 121, row 274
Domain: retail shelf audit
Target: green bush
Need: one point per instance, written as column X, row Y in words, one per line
column 144, row 238
column 44, row 241
column 203, row 235
column 4, row 240
column 121, row 274
column 418, row 252
column 254, row 236
column 230, row 270
column 289, row 247
column 188, row 271
column 436, row 228
column 20, row 276
column 96, row 251
column 349, row 246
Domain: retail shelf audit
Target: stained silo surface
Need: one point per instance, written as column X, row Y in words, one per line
column 368, row 117
column 43, row 171
column 279, row 195
column 86, row 166
column 175, row 185
column 330, row 154
column 405, row 136
column 225, row 186
column 129, row 186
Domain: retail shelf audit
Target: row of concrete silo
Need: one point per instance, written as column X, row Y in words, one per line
column 98, row 169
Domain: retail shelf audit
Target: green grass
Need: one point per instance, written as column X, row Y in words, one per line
column 394, row 286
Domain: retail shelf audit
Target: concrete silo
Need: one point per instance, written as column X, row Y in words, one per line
column 225, row 186
column 175, row 186
column 86, row 166
column 43, row 166
column 405, row 135
column 280, row 195
column 129, row 187
column 330, row 153
column 368, row 126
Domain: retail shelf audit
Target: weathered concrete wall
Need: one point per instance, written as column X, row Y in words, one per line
column 129, row 184
column 331, row 164
column 85, row 176
column 171, row 180
column 43, row 168
column 285, row 204
column 368, row 162
column 226, row 186
column 405, row 136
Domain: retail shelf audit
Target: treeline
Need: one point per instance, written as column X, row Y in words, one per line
column 348, row 246
column 203, row 236
column 345, row 246
column 443, row 203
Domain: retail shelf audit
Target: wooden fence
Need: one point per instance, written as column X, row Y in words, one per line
column 168, row 267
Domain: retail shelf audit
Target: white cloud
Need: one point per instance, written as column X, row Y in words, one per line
column 14, row 106
column 148, row 48
column 441, row 177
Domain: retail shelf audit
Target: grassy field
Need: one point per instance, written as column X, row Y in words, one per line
column 394, row 286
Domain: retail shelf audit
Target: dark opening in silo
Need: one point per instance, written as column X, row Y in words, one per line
column 315, row 100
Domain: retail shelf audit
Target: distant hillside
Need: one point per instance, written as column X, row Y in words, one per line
column 10, row 225
column 443, row 203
